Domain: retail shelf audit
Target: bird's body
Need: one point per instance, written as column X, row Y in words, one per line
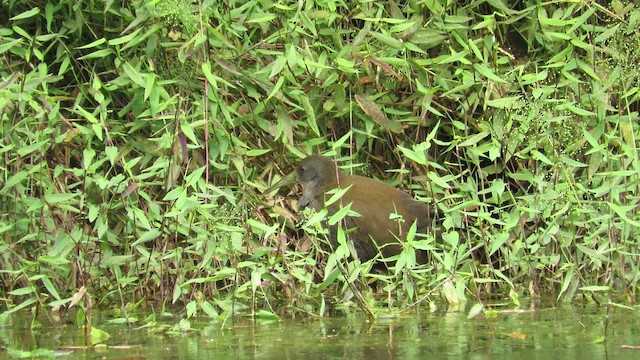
column 373, row 200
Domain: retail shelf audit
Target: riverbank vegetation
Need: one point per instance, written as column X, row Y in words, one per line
column 138, row 138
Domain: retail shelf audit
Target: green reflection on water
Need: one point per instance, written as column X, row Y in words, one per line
column 570, row 332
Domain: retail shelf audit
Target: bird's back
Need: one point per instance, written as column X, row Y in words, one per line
column 376, row 202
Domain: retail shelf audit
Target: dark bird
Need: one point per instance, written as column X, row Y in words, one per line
column 373, row 200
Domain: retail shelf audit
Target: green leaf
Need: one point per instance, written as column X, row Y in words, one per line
column 608, row 33
column 488, row 73
column 193, row 177
column 588, row 70
column 103, row 53
column 474, row 49
column 277, row 66
column 512, row 102
column 175, row 194
column 415, row 156
column 455, row 57
column 22, row 291
column 26, row 150
column 98, row 336
column 257, row 152
column 112, row 153
column 336, row 194
column 541, row 157
column 206, row 69
column 25, row 15
column 55, row 260
column 262, row 18
column 276, row 89
column 528, row 79
column 581, row 44
column 475, row 311
column 126, row 38
column 402, row 26
column 310, row 115
column 572, row 162
column 92, row 44
column 578, row 111
column 148, row 235
column 177, row 291
column 133, row 74
column 6, row 46
column 340, row 214
column 14, row 180
column 123, row 320
column 316, row 218
column 187, row 130
column 265, row 229
column 49, row 286
column 266, row 315
column 20, row 31
column 440, row 181
column 595, row 288
column 141, row 219
column 387, row 40
column 54, row 199
column 192, row 308
column 474, row 139
column 587, row 13
column 499, row 240
column 87, row 157
column 292, row 56
column 500, row 5
column 450, row 293
column 622, row 212
column 209, row 309
column 428, row 38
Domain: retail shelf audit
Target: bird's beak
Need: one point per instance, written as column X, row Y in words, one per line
column 287, row 180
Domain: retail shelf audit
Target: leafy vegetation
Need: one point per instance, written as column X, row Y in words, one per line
column 138, row 138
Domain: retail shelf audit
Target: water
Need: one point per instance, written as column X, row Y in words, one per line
column 567, row 332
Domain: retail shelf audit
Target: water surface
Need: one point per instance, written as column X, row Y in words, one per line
column 567, row 332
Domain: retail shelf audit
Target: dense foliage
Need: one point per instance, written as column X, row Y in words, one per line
column 138, row 138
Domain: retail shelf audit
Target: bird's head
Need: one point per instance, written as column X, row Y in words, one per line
column 316, row 172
